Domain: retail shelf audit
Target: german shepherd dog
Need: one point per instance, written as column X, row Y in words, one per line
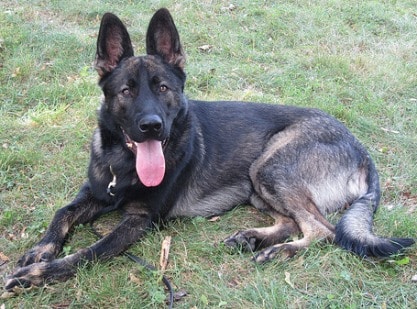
column 156, row 155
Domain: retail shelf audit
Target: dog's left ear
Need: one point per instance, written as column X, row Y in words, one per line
column 162, row 39
column 113, row 44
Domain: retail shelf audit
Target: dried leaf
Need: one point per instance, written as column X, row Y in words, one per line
column 230, row 8
column 205, row 48
column 214, row 219
column 3, row 258
column 180, row 294
column 6, row 295
column 390, row 131
column 166, row 245
column 61, row 305
column 288, row 279
column 16, row 72
column 134, row 279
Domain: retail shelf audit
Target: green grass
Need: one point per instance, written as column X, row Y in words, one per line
column 355, row 60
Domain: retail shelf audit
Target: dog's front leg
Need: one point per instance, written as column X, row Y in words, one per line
column 130, row 229
column 81, row 210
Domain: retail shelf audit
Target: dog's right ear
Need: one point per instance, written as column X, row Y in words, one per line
column 113, row 44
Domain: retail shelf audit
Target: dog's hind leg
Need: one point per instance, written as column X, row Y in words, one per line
column 312, row 225
column 288, row 196
column 256, row 238
column 287, row 178
column 305, row 220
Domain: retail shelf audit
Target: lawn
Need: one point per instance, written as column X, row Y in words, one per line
column 354, row 59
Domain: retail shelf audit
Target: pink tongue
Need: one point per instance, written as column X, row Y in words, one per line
column 150, row 162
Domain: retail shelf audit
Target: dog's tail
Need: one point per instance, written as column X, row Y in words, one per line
column 354, row 230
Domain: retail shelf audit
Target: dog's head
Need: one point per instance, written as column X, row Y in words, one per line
column 143, row 95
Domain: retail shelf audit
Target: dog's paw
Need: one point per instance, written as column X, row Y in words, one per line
column 38, row 274
column 285, row 251
column 39, row 253
column 16, row 283
column 25, row 277
column 242, row 240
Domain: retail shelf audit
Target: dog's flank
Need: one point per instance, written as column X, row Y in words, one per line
column 156, row 155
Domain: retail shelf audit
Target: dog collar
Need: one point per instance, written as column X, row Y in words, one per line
column 112, row 183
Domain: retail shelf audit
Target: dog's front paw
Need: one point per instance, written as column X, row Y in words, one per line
column 44, row 272
column 39, row 253
column 242, row 240
column 24, row 277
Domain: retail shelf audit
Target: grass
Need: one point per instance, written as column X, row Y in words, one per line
column 354, row 60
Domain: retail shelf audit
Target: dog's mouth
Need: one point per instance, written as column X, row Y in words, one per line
column 150, row 160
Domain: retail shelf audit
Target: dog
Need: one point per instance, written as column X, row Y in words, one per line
column 156, row 155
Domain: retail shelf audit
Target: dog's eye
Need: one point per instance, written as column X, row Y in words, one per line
column 163, row 88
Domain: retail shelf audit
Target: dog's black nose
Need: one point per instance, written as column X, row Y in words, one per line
column 150, row 124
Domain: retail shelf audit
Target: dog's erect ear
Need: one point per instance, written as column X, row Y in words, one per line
column 162, row 39
column 113, row 44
